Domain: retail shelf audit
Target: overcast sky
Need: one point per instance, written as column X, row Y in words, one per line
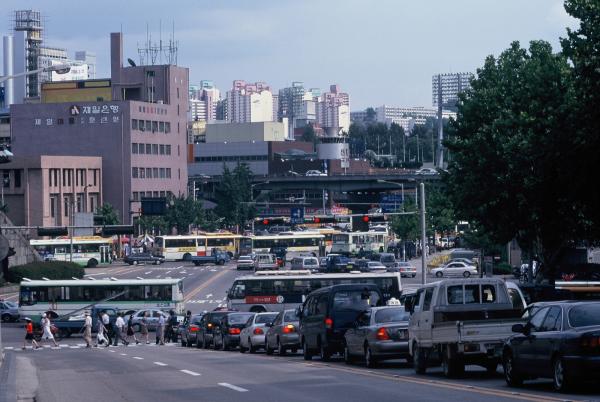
column 380, row 51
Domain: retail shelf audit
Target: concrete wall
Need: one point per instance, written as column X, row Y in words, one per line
column 245, row 132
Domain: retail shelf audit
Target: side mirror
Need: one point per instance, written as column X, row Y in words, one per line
column 519, row 328
column 299, row 311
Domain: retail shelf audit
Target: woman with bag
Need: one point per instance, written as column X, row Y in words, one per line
column 100, row 337
column 130, row 331
column 47, row 327
column 144, row 327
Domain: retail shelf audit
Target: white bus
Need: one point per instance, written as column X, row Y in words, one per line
column 66, row 296
column 280, row 290
column 296, row 243
column 88, row 251
column 351, row 243
column 183, row 247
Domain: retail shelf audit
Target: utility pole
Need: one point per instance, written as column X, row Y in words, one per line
column 440, row 150
column 423, row 236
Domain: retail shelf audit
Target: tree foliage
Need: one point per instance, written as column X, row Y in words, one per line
column 108, row 213
column 234, row 196
column 407, row 227
column 182, row 213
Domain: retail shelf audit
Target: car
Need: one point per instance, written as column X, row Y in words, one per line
column 282, row 334
column 245, row 262
column 188, row 332
column 322, row 263
column 378, row 333
column 207, row 326
column 314, row 173
column 405, row 269
column 427, row 171
column 227, row 332
column 375, row 266
column 465, row 260
column 9, row 311
column 252, row 336
column 361, row 264
column 310, row 263
column 143, row 258
column 328, row 312
column 561, row 340
column 265, row 262
column 454, row 269
column 152, row 318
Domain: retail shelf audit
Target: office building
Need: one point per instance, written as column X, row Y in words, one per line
column 248, row 103
column 448, row 86
column 88, row 58
column 407, row 117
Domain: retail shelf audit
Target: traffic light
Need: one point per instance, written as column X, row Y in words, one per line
column 378, row 218
column 52, row 232
column 112, row 230
column 321, row 219
column 271, row 221
column 360, row 223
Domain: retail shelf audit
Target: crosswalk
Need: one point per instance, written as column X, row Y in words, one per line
column 62, row 346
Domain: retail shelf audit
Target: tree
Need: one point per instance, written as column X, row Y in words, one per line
column 108, row 214
column 233, row 196
column 183, row 212
column 407, row 227
column 308, row 135
column 511, row 144
column 441, row 216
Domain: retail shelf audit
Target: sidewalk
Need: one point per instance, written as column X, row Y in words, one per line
column 8, row 378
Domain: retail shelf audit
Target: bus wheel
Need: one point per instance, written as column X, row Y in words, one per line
column 92, row 263
column 187, row 257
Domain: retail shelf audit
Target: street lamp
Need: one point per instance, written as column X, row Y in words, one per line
column 58, row 69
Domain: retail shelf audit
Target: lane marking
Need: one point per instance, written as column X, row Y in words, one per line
column 161, row 364
column 169, row 271
column 146, row 273
column 123, row 354
column 111, row 351
column 204, row 285
column 233, row 387
column 137, row 358
column 193, row 373
column 9, row 347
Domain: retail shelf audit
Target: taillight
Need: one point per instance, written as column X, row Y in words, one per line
column 591, row 342
column 234, row 331
column 193, row 328
column 258, row 331
column 328, row 323
column 288, row 329
column 382, row 334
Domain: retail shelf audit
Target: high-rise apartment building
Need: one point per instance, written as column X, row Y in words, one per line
column 247, row 103
column 333, row 111
column 204, row 99
column 448, row 86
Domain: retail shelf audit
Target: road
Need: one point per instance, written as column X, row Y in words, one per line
column 173, row 373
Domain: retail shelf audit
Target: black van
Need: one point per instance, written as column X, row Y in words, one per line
column 327, row 313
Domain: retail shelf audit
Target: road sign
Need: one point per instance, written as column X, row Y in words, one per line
column 390, row 202
column 296, row 215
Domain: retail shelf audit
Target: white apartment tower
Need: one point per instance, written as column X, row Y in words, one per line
column 248, row 103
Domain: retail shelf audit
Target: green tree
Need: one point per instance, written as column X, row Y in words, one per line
column 440, row 212
column 233, row 196
column 153, row 224
column 183, row 212
column 407, row 226
column 309, row 135
column 108, row 214
column 509, row 172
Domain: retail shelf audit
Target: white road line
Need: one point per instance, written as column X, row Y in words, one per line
column 209, row 295
column 190, row 372
column 168, row 271
column 98, row 273
column 111, row 351
column 233, row 387
column 123, row 354
column 146, row 273
column 157, row 276
column 9, row 348
column 138, row 358
column 161, row 364
column 179, row 267
column 73, row 347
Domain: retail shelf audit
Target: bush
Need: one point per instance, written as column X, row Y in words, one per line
column 47, row 269
column 502, row 269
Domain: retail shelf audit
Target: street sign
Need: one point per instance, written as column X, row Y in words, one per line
column 296, row 215
column 390, row 202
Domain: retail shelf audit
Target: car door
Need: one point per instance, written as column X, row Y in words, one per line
column 425, row 322
column 272, row 331
column 360, row 332
column 547, row 341
column 524, row 345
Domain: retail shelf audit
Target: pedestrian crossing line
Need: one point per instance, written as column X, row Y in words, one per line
column 138, row 358
column 192, row 373
column 233, row 387
column 9, row 348
column 123, row 354
column 161, row 364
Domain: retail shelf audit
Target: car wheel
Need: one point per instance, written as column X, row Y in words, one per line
column 205, row 343
column 511, row 375
column 135, row 263
column 466, row 274
column 324, row 352
column 183, row 343
column 419, row 360
column 370, row 360
column 414, row 275
column 157, row 262
column 347, row 356
column 280, row 348
column 251, row 348
column 561, row 381
column 224, row 346
column 242, row 348
column 6, row 318
column 439, row 274
column 198, row 344
column 306, row 351
column 452, row 366
column 268, row 349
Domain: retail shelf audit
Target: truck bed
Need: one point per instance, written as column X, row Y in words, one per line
column 489, row 331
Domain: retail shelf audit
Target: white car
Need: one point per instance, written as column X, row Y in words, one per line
column 426, row 171
column 314, row 173
column 457, row 268
column 253, row 335
column 375, row 266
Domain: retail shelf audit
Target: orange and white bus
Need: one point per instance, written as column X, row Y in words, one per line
column 174, row 248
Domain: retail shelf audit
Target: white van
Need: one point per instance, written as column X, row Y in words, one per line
column 265, row 262
column 310, row 263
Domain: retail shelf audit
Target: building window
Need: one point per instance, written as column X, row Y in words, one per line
column 168, row 149
column 95, row 177
column 142, row 148
column 142, row 173
column 93, row 202
column 82, row 178
column 79, row 202
column 60, row 121
column 163, row 193
column 52, row 206
column 148, row 125
column 155, row 194
column 134, row 148
column 134, row 172
column 6, row 178
column 154, row 149
column 154, row 126
column 136, row 196
column 161, row 149
column 168, row 173
column 155, row 173
column 141, row 126
column 148, row 149
column 162, row 173
column 50, row 177
column 167, row 127
column 161, row 127
column 17, row 174
column 134, row 124
column 66, row 206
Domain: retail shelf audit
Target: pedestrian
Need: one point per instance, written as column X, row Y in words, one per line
column 29, row 334
column 47, row 329
column 130, row 331
column 108, row 329
column 144, row 326
column 100, row 336
column 160, row 330
column 87, row 330
column 120, row 330
column 171, row 327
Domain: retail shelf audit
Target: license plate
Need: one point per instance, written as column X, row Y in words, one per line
column 402, row 334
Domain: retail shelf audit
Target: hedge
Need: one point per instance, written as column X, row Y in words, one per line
column 502, row 269
column 47, row 269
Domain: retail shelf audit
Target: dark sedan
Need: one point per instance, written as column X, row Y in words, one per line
column 561, row 341
column 227, row 332
column 143, row 258
column 189, row 331
column 379, row 333
column 207, row 326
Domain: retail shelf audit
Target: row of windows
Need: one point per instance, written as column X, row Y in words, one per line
column 80, row 204
column 78, row 177
column 232, row 158
column 30, row 296
column 138, row 195
column 149, row 125
column 150, row 173
column 152, row 109
column 150, row 149
column 6, row 178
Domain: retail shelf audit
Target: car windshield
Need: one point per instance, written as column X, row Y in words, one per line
column 387, row 258
column 310, row 261
column 585, row 315
column 11, row 304
column 245, row 257
column 290, row 316
column 238, row 318
column 355, row 300
column 393, row 314
column 265, row 318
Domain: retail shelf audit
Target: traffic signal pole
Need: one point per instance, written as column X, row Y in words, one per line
column 423, row 235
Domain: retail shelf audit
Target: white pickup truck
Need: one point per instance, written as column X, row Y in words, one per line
column 456, row 322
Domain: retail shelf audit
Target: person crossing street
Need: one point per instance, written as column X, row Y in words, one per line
column 47, row 330
column 29, row 334
column 120, row 331
column 87, row 330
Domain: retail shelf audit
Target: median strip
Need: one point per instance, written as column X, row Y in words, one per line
column 233, row 387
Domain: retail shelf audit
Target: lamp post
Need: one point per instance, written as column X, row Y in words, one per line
column 58, row 69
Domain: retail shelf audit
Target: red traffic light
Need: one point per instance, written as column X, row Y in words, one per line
column 316, row 219
column 265, row 222
column 365, row 218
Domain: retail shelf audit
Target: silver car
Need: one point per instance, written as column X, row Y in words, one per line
column 252, row 336
column 283, row 334
column 458, row 268
column 245, row 262
column 379, row 333
column 9, row 311
column 153, row 315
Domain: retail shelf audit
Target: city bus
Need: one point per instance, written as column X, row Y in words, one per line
column 352, row 243
column 89, row 251
column 66, row 296
column 328, row 234
column 296, row 243
column 280, row 290
column 175, row 248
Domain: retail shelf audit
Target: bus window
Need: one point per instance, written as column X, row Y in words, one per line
column 340, row 238
column 238, row 290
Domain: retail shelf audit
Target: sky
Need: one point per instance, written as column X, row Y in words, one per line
column 379, row 51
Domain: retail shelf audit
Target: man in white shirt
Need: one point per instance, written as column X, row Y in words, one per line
column 120, row 324
column 108, row 329
column 160, row 330
column 87, row 330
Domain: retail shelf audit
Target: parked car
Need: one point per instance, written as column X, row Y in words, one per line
column 405, row 269
column 310, row 263
column 360, row 264
column 143, row 258
column 188, row 332
column 154, row 314
column 315, row 173
column 245, row 262
column 283, row 334
column 253, row 336
column 378, row 334
column 427, row 171
column 322, row 263
column 265, row 262
column 561, row 341
column 328, row 312
column 387, row 259
column 9, row 311
column 375, row 266
column 227, row 332
column 454, row 269
column 207, row 326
